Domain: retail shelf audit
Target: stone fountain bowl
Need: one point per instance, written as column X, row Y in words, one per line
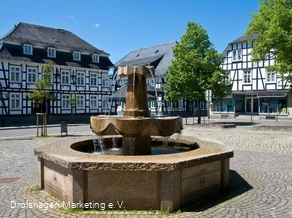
column 163, row 182
column 154, row 126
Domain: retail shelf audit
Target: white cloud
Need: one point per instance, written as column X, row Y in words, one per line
column 69, row 17
column 97, row 25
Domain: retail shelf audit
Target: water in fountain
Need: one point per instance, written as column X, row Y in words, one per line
column 165, row 141
column 114, row 144
column 98, row 144
column 177, row 141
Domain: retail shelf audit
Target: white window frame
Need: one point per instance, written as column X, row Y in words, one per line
column 93, row 79
column 31, row 76
column 95, row 58
column 105, row 103
column 80, row 101
column 271, row 77
column 14, row 75
column 65, row 74
column 80, row 78
column 27, row 49
column 105, row 81
column 15, row 101
column 237, row 55
column 66, row 101
column 247, row 75
column 76, row 56
column 93, row 102
column 51, row 52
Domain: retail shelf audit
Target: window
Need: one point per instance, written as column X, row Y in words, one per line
column 247, row 77
column 31, row 75
column 271, row 77
column 51, row 52
column 80, row 102
column 27, row 49
column 95, row 58
column 14, row 74
column 93, row 79
column 104, row 103
column 237, row 55
column 93, row 102
column 66, row 102
column 15, row 101
column 181, row 103
column 80, row 78
column 76, row 56
column 65, row 77
column 105, row 81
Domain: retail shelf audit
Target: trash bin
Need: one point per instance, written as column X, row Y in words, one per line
column 64, row 128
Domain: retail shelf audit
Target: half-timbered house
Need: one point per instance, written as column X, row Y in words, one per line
column 80, row 72
column 255, row 90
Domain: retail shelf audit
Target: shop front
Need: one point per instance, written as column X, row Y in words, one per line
column 273, row 103
column 253, row 103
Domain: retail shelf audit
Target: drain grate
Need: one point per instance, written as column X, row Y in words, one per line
column 8, row 180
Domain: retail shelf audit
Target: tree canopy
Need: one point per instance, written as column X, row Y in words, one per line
column 196, row 68
column 272, row 26
column 42, row 91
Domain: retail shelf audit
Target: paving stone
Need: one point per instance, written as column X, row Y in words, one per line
column 260, row 177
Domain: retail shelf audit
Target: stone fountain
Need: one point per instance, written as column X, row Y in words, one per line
column 136, row 126
column 136, row 179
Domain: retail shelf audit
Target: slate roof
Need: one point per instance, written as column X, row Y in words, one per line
column 36, row 35
column 120, row 94
column 244, row 38
column 159, row 56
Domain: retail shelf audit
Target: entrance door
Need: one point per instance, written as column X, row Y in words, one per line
column 255, row 105
column 251, row 105
column 248, row 105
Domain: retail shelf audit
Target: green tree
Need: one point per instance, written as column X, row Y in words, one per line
column 41, row 93
column 272, row 28
column 196, row 68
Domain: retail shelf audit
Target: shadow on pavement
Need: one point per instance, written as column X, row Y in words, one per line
column 238, row 186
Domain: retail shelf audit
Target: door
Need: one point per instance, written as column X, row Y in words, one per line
column 251, row 105
column 255, row 105
column 248, row 105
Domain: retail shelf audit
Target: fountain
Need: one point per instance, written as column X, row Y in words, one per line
column 135, row 179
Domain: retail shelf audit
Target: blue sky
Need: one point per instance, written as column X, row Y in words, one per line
column 120, row 26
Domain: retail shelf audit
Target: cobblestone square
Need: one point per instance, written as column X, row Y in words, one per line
column 261, row 177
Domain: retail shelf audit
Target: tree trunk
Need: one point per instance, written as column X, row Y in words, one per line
column 199, row 112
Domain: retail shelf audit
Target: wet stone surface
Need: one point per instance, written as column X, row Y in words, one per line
column 261, row 178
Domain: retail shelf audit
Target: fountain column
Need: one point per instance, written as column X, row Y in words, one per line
column 136, row 106
column 136, row 99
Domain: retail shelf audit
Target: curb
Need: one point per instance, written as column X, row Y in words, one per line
column 32, row 127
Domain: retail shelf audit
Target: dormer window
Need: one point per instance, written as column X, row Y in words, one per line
column 95, row 58
column 51, row 52
column 27, row 49
column 76, row 56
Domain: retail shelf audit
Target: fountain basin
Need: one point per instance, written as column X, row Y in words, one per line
column 154, row 126
column 162, row 182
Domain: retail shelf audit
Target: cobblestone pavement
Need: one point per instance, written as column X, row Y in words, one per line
column 261, row 178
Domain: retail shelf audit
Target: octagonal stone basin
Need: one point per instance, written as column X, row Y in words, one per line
column 162, row 182
column 152, row 126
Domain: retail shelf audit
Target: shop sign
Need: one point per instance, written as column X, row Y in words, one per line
column 271, row 95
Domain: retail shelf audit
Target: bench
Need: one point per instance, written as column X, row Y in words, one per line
column 224, row 116
column 270, row 117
